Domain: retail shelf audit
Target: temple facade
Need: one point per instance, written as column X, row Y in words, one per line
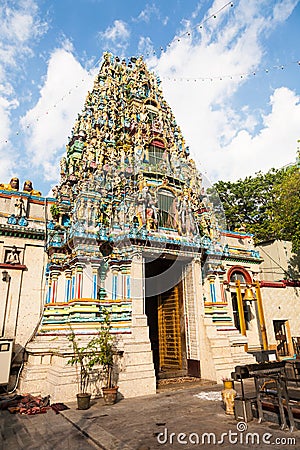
column 131, row 229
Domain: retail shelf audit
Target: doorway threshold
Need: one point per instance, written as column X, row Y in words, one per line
column 181, row 383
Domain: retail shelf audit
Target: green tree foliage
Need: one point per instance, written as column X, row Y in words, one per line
column 287, row 208
column 252, row 203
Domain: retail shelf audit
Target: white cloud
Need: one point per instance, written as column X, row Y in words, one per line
column 274, row 145
column 150, row 10
column 115, row 37
column 145, row 46
column 145, row 14
column 20, row 27
column 50, row 121
column 225, row 142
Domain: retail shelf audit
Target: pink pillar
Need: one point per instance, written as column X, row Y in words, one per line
column 79, row 276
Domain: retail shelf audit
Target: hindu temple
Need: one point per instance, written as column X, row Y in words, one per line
column 131, row 229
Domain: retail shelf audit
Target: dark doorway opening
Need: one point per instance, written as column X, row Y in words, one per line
column 235, row 311
column 165, row 312
column 281, row 337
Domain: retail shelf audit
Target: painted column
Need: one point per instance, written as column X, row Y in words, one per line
column 261, row 316
column 114, row 292
column 212, row 288
column 48, row 289
column 68, row 285
column 102, row 274
column 223, row 294
column 73, row 284
column 140, row 330
column 95, row 281
column 241, row 310
column 127, row 286
column 79, row 276
column 125, row 281
column 53, row 295
column 137, row 284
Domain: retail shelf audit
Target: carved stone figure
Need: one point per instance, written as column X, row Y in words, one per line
column 12, row 186
column 12, row 256
column 29, row 189
column 146, row 210
column 20, row 208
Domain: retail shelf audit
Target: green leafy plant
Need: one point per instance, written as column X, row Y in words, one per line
column 97, row 354
column 55, row 211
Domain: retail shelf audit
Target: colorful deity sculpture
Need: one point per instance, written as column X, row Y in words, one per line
column 127, row 166
column 12, row 186
column 28, row 188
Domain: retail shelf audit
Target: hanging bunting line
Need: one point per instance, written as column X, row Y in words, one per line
column 169, row 78
column 189, row 32
column 244, row 75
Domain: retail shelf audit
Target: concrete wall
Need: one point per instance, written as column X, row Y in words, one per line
column 281, row 304
column 277, row 256
column 23, row 294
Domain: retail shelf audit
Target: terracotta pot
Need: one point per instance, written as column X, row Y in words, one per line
column 110, row 395
column 83, row 400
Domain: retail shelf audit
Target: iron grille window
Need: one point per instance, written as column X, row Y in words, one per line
column 155, row 155
column 238, row 276
column 166, row 205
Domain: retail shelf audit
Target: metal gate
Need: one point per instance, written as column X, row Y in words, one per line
column 170, row 351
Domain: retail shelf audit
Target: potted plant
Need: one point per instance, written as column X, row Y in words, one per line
column 106, row 344
column 97, row 354
column 81, row 358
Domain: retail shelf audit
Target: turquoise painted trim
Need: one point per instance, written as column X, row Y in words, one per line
column 128, row 292
column 94, row 286
column 73, row 286
column 48, row 288
column 213, row 293
column 114, row 287
column 237, row 233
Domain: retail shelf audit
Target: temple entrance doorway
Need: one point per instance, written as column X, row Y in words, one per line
column 165, row 312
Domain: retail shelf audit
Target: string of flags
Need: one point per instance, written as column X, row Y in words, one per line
column 208, row 78
column 199, row 26
column 187, row 33
column 243, row 75
column 218, row 78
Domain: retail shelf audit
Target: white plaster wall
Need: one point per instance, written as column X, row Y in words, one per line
column 276, row 256
column 25, row 298
column 87, row 282
column 32, row 291
column 60, row 297
column 281, row 304
column 108, row 284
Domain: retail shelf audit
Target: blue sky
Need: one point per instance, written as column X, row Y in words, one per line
column 233, row 84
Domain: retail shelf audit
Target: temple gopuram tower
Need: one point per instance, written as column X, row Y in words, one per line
column 127, row 233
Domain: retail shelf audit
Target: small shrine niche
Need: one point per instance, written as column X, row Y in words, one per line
column 12, row 255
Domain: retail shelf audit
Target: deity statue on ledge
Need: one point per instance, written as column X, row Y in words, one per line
column 12, row 186
column 28, row 188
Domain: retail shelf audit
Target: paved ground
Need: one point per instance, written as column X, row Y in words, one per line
column 40, row 432
column 144, row 423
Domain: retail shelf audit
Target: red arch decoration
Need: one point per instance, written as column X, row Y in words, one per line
column 158, row 143
column 241, row 270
